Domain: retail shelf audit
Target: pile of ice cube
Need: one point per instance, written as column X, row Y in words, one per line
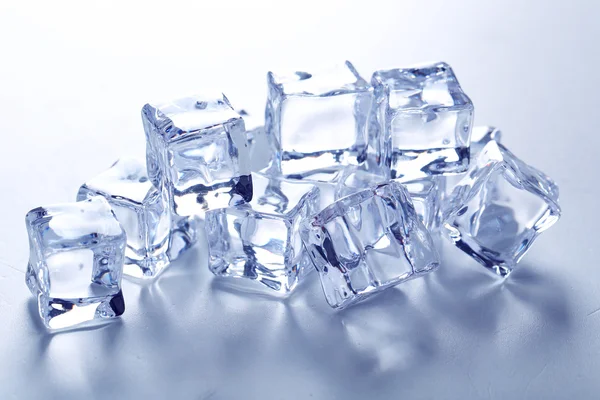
column 360, row 179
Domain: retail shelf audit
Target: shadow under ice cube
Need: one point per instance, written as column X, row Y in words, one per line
column 155, row 236
column 196, row 150
column 315, row 123
column 260, row 241
column 367, row 242
column 420, row 122
column 75, row 262
column 499, row 208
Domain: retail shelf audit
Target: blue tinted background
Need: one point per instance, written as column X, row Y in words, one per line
column 74, row 77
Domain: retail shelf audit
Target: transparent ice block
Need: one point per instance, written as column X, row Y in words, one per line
column 315, row 123
column 480, row 136
column 426, row 195
column 367, row 242
column 196, row 150
column 76, row 262
column 254, row 127
column 420, row 122
column 259, row 241
column 425, row 192
column 155, row 235
column 499, row 208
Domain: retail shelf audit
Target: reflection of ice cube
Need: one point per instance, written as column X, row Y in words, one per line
column 499, row 208
column 420, row 122
column 315, row 123
column 153, row 240
column 259, row 241
column 197, row 152
column 75, row 262
column 366, row 242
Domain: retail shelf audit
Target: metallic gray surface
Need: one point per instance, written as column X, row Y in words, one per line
column 73, row 80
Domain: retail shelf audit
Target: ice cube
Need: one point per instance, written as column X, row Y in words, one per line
column 254, row 127
column 257, row 141
column 367, row 242
column 315, row 123
column 480, row 136
column 353, row 179
column 426, row 195
column 499, row 208
column 184, row 234
column 420, row 122
column 196, row 150
column 425, row 192
column 259, row 241
column 75, row 262
column 155, row 236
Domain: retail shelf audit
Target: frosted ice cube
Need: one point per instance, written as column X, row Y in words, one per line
column 75, row 262
column 259, row 241
column 499, row 208
column 315, row 123
column 155, row 236
column 420, row 122
column 196, row 150
column 367, row 242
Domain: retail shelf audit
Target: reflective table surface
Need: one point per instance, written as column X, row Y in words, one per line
column 74, row 78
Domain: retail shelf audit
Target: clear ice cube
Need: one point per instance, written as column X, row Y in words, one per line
column 196, row 150
column 259, row 241
column 353, row 179
column 499, row 208
column 420, row 122
column 315, row 123
column 76, row 262
column 425, row 192
column 254, row 127
column 366, row 242
column 480, row 136
column 155, row 236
